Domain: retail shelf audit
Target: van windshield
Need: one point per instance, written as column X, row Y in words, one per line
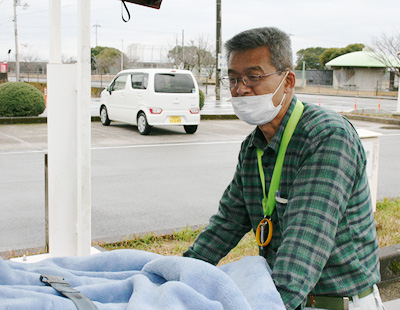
column 173, row 83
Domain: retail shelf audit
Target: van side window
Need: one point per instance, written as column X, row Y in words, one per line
column 119, row 83
column 139, row 80
column 173, row 83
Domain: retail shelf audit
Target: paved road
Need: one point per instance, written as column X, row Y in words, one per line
column 166, row 180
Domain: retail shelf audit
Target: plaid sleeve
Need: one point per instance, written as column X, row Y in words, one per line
column 227, row 227
column 316, row 204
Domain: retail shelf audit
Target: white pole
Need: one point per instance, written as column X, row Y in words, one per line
column 84, row 130
column 55, row 31
column 68, row 125
column 62, row 136
column 62, row 160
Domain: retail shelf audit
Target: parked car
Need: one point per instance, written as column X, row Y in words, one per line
column 152, row 97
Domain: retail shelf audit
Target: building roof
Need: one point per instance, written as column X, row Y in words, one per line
column 363, row 59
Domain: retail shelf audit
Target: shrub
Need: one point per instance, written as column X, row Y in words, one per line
column 201, row 97
column 20, row 99
column 39, row 85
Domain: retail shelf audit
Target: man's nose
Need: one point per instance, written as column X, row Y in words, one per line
column 241, row 88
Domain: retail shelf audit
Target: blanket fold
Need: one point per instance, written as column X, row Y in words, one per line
column 139, row 280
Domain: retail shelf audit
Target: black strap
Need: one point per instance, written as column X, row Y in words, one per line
column 127, row 11
column 62, row 286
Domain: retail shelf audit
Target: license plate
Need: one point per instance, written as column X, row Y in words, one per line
column 175, row 119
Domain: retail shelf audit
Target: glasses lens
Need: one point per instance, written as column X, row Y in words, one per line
column 228, row 81
column 251, row 80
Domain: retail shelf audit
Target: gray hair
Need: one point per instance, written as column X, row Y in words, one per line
column 277, row 41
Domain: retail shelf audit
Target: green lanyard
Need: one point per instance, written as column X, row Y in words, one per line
column 269, row 203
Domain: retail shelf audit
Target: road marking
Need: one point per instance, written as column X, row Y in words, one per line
column 150, row 145
column 22, row 152
column 132, row 146
column 21, row 141
column 391, row 135
column 165, row 145
column 15, row 138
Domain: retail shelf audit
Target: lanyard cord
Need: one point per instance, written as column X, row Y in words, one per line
column 269, row 203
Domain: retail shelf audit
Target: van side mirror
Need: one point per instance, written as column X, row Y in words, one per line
column 109, row 89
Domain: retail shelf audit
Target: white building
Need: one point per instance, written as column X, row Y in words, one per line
column 361, row 71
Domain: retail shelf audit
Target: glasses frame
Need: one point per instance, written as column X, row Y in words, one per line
column 242, row 78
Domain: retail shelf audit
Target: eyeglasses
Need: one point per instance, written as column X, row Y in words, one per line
column 248, row 80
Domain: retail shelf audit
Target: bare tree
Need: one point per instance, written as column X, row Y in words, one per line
column 205, row 52
column 197, row 55
column 132, row 54
column 29, row 59
column 387, row 50
column 66, row 59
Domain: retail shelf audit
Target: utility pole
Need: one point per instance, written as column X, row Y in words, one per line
column 218, row 50
column 183, row 48
column 122, row 55
column 398, row 90
column 16, row 42
column 96, row 26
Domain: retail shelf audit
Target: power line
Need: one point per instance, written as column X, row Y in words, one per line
column 32, row 13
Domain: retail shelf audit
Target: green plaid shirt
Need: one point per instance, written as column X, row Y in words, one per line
column 324, row 240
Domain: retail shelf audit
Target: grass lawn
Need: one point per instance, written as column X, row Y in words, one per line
column 387, row 217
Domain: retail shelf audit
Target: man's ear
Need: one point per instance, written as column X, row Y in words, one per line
column 290, row 82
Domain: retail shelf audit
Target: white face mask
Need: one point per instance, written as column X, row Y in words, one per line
column 257, row 110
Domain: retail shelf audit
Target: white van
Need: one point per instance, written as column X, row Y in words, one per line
column 152, row 97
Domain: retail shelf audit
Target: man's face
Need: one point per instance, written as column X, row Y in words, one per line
column 257, row 62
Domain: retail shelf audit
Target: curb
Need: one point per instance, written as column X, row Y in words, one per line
column 32, row 120
column 347, row 95
column 23, row 120
column 218, row 117
column 43, row 119
column 375, row 119
column 389, row 258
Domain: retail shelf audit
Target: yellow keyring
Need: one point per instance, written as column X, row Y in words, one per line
column 258, row 232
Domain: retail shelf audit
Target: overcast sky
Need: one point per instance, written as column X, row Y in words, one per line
column 311, row 23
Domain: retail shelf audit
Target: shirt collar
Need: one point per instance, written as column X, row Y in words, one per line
column 258, row 140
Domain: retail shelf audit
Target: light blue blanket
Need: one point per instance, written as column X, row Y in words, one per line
column 132, row 279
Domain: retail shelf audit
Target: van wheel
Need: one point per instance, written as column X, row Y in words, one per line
column 104, row 116
column 190, row 128
column 143, row 127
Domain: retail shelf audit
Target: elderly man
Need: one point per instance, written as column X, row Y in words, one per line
column 300, row 184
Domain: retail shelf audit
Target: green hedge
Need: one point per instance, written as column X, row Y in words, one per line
column 20, row 99
column 201, row 97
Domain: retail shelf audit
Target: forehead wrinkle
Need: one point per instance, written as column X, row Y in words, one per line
column 258, row 68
